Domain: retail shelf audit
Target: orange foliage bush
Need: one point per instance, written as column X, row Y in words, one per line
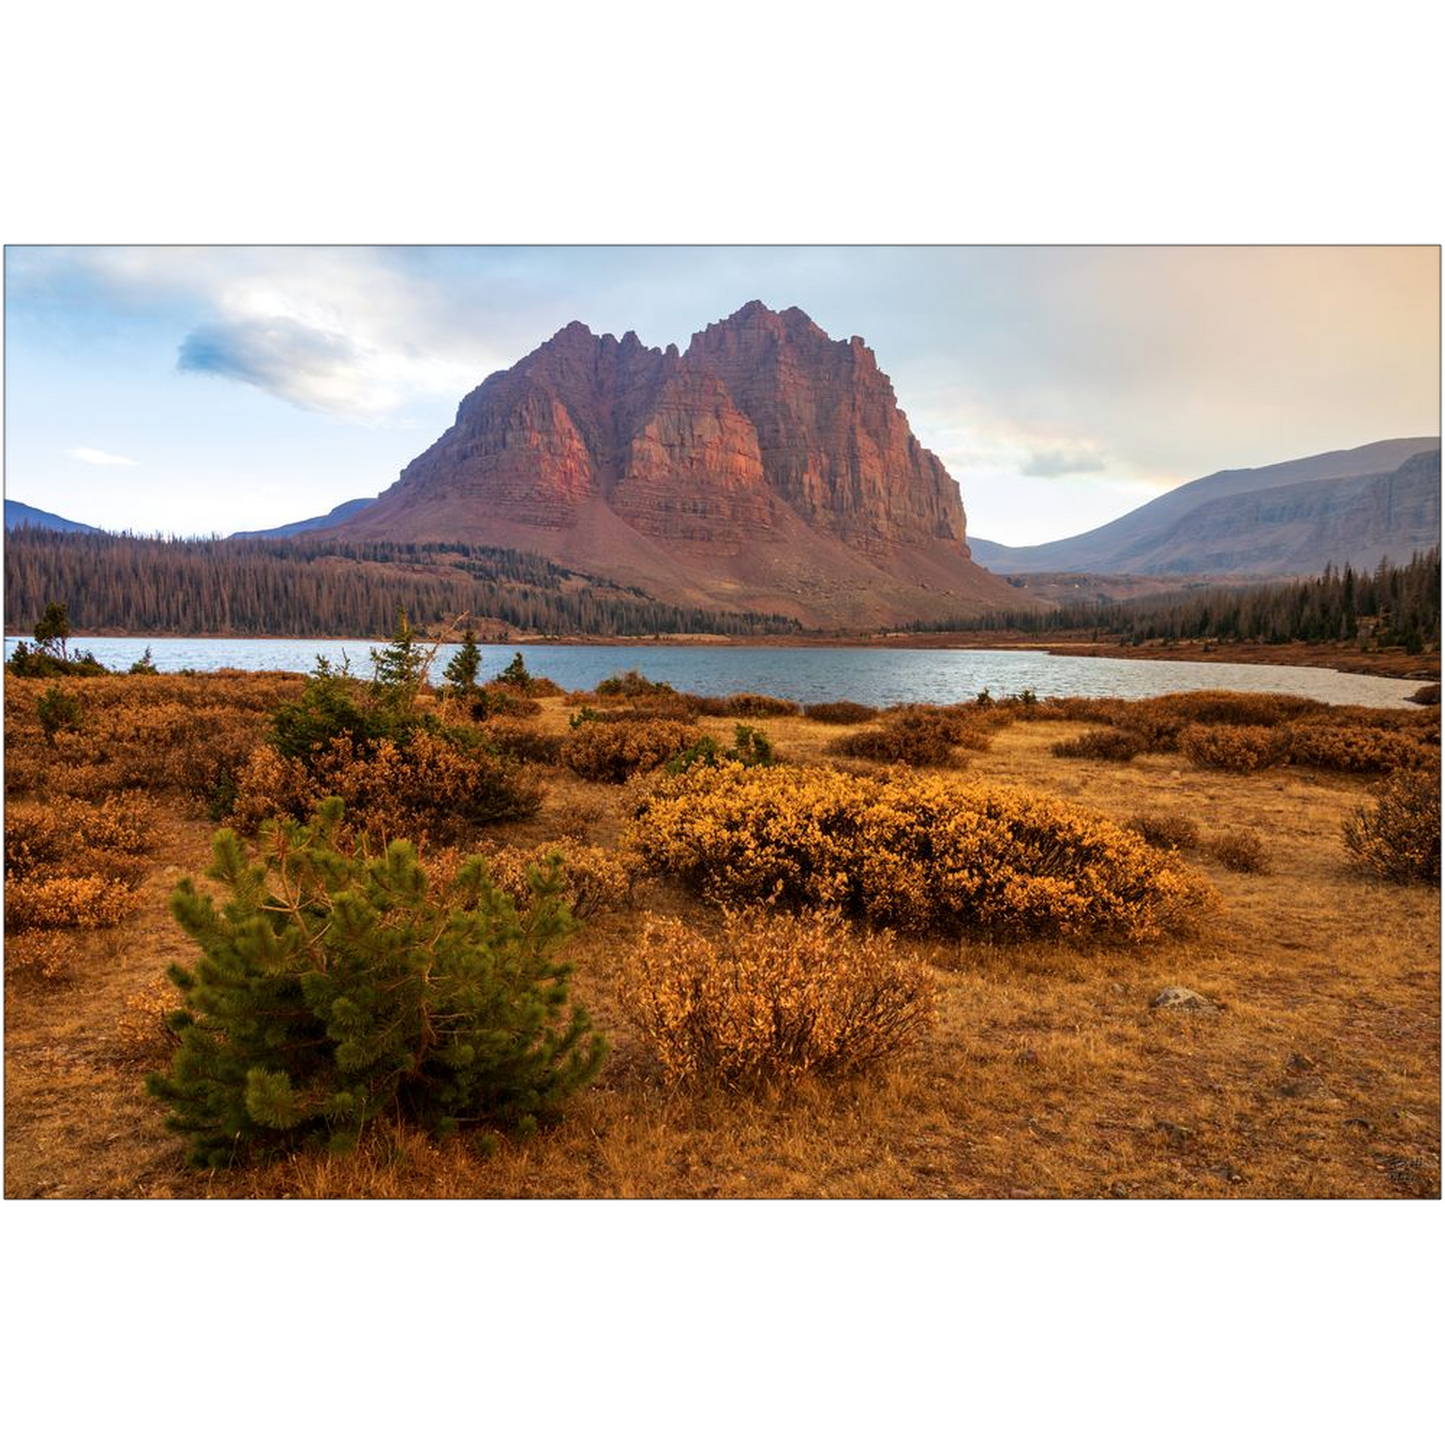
column 747, row 704
column 1169, row 831
column 428, row 788
column 39, row 834
column 1398, row 836
column 848, row 713
column 919, row 736
column 919, row 853
column 41, row 955
column 526, row 744
column 66, row 901
column 779, row 997
column 593, row 879
column 162, row 733
column 611, row 752
column 1357, row 749
column 1241, row 850
column 1243, row 749
column 1112, row 745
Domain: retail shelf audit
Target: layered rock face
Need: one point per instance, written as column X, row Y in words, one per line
column 766, row 466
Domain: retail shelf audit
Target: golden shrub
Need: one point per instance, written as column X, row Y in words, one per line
column 40, row 955
column 1240, row 709
column 919, row 736
column 1242, row 749
column 922, row 853
column 141, row 1031
column 74, row 864
column 66, row 901
column 526, row 744
column 1241, row 850
column 428, row 787
column 593, row 878
column 611, row 752
column 1113, row 745
column 779, row 997
column 269, row 785
column 1161, row 721
column 747, row 704
column 159, row 733
column 1169, row 831
column 1398, row 836
column 1357, row 749
column 844, row 712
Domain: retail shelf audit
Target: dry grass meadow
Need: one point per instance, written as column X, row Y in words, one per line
column 1048, row 1073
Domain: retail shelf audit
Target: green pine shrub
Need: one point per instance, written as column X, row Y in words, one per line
column 336, row 986
column 752, row 748
column 58, row 711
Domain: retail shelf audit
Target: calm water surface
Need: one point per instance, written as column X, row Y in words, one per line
column 874, row 675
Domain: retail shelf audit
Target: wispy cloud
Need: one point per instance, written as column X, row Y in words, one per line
column 95, row 458
column 1063, row 461
column 310, row 367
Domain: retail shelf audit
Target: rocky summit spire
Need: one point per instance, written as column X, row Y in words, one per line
column 767, row 466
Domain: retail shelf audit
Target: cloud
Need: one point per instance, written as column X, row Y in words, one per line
column 1062, row 461
column 312, row 368
column 98, row 458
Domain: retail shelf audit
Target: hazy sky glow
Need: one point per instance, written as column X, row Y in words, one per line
column 217, row 388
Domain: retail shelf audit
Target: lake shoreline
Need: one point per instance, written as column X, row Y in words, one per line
column 1338, row 657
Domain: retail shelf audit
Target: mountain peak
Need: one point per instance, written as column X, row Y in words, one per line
column 768, row 466
column 572, row 333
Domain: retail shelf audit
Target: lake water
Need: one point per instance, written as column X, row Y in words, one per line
column 875, row 675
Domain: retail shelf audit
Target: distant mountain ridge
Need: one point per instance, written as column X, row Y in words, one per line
column 21, row 514
column 343, row 512
column 1292, row 518
column 766, row 468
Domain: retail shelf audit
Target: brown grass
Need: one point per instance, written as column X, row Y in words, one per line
column 1047, row 1073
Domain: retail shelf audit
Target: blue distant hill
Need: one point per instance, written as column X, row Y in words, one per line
column 19, row 514
column 333, row 518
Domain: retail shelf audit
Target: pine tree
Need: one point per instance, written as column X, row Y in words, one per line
column 400, row 666
column 52, row 632
column 462, row 670
column 335, row 987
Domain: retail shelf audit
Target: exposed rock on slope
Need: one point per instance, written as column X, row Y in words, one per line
column 767, row 467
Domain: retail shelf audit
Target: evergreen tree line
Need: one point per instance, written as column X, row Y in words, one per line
column 306, row 587
column 1394, row 606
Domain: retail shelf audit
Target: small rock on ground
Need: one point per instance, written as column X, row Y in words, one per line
column 1183, row 998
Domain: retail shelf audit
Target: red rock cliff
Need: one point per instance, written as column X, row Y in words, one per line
column 767, row 466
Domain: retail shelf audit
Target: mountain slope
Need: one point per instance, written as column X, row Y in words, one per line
column 767, row 468
column 343, row 512
column 1307, row 512
column 20, row 514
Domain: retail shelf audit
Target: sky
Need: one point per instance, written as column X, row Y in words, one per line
column 212, row 389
